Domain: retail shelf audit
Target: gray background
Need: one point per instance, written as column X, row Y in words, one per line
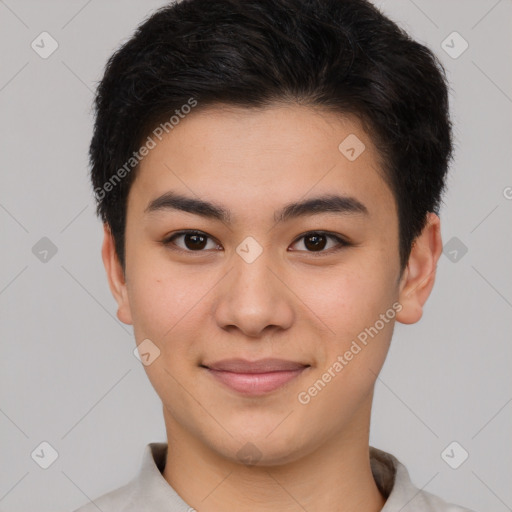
column 68, row 374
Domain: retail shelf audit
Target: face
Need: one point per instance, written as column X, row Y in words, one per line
column 314, row 289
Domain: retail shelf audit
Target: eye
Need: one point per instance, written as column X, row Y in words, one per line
column 197, row 241
column 194, row 241
column 316, row 242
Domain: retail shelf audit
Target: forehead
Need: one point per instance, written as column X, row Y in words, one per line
column 250, row 158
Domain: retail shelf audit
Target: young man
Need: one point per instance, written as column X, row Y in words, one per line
column 269, row 174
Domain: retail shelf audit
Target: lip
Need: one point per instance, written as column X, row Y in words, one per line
column 255, row 377
column 266, row 365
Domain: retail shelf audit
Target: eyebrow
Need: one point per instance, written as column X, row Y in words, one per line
column 339, row 204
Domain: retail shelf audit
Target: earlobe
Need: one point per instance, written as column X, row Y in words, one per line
column 419, row 276
column 115, row 276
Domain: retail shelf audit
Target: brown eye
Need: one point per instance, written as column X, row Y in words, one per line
column 316, row 242
column 193, row 241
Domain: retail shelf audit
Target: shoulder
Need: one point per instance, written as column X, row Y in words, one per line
column 394, row 482
column 147, row 490
column 428, row 502
column 113, row 501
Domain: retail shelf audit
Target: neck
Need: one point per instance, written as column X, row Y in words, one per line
column 335, row 476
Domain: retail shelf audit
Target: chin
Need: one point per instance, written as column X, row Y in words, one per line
column 262, row 447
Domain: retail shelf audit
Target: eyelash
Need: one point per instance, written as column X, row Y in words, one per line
column 168, row 242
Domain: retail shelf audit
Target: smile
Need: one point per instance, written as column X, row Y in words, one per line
column 255, row 383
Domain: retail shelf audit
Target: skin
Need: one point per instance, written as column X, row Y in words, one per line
column 288, row 303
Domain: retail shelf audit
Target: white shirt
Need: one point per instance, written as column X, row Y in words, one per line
column 150, row 492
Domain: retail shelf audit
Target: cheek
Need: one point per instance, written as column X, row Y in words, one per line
column 368, row 326
column 157, row 292
column 357, row 308
column 348, row 300
column 157, row 303
column 163, row 312
column 167, row 306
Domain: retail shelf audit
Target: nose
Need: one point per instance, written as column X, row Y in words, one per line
column 254, row 298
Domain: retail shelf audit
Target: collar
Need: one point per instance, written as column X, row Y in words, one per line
column 150, row 491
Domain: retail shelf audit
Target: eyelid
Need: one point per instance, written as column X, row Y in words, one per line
column 167, row 241
column 341, row 241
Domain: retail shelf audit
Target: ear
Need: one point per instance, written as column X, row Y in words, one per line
column 115, row 275
column 419, row 276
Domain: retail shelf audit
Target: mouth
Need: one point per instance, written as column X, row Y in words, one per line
column 255, row 377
